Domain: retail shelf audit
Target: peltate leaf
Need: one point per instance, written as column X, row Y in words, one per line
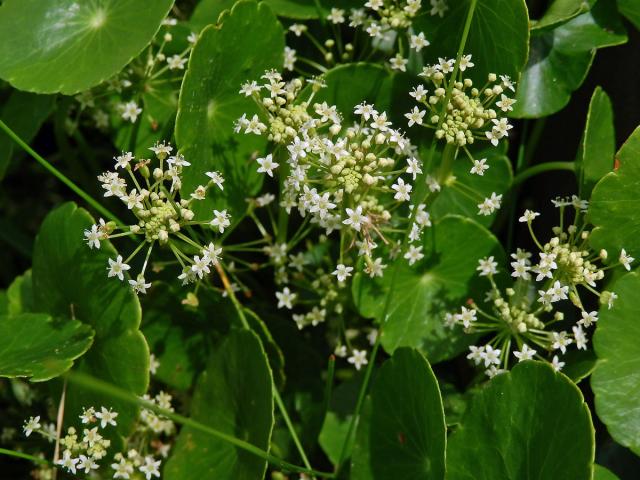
column 68, row 46
column 616, row 379
column 35, row 345
column 234, row 396
column 423, row 293
column 210, row 103
column 70, row 280
column 402, row 433
column 528, row 423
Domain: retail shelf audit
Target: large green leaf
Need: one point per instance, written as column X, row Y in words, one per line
column 616, row 379
column 37, row 346
column 70, row 280
column 423, row 293
column 234, row 396
column 528, row 423
column 24, row 113
column 561, row 57
column 631, row 10
column 20, row 295
column 498, row 38
column 457, row 199
column 598, row 145
column 615, row 203
column 402, row 433
column 68, row 46
column 561, row 11
column 209, row 104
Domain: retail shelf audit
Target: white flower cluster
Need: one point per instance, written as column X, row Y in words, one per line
column 468, row 114
column 566, row 269
column 162, row 215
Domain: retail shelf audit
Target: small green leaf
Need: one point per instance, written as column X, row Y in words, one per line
column 615, row 203
column 579, row 364
column 233, row 396
column 70, row 280
column 631, row 10
column 68, row 46
column 598, row 145
column 207, row 12
column 601, row 473
column 498, row 37
column 221, row 61
column 455, row 196
column 24, row 113
column 561, row 57
column 423, row 293
column 20, row 295
column 561, row 11
column 402, row 433
column 35, row 345
column 528, row 423
column 616, row 379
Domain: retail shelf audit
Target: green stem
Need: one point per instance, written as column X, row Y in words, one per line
column 541, row 168
column 105, row 388
column 13, row 453
column 58, row 174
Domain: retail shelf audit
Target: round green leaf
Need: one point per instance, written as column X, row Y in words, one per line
column 616, row 379
column 402, row 433
column 561, row 57
column 233, row 396
column 35, row 345
column 70, row 280
column 209, row 104
column 601, row 473
column 423, row 293
column 615, row 203
column 455, row 198
column 528, row 423
column 498, row 38
column 598, row 144
column 68, row 46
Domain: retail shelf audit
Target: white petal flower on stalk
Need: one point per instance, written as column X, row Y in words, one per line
column 150, row 468
column 342, row 272
column 415, row 116
column 30, row 425
column 402, row 190
column 220, row 220
column 86, row 463
column 491, row 356
column 579, row 337
column 588, row 318
column 414, row 254
column 526, row 353
column 375, row 268
column 130, row 111
column 68, row 462
column 106, row 417
column 479, row 167
column 249, row 88
column 117, row 268
column 139, row 285
column 487, row 266
column 176, row 62
column 358, row 358
column 626, row 260
column 267, row 165
column 217, row 178
column 286, row 298
column 93, row 237
column 528, row 216
column 557, row 364
column 418, row 42
column 355, row 218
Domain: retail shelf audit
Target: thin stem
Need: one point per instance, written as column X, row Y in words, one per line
column 541, row 168
column 13, row 453
column 59, row 175
column 113, row 391
column 59, row 421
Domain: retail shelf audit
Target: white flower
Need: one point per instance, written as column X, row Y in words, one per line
column 150, row 467
column 139, row 285
column 192, row 38
column 419, row 93
column 418, row 42
column 465, row 62
column 525, row 354
column 289, row 58
column 505, row 103
column 625, row 259
column 106, row 417
column 612, row 298
column 342, row 272
column 176, row 62
column 201, row 265
column 476, row 354
column 528, row 216
column 285, row 298
column 220, row 220
column 355, row 218
column 560, row 341
column 414, row 254
column 399, row 63
column 267, row 165
column 336, row 16
column 216, row 178
column 133, row 200
column 88, row 415
column 415, row 116
column 123, row 161
column 117, row 268
column 365, row 110
column 507, row 83
column 86, row 463
column 558, row 291
column 521, row 269
column 438, row 7
column 413, row 167
column 466, row 316
column 492, row 371
column 380, row 122
column 588, row 318
column 249, row 88
column 93, row 236
column 30, row 425
column 490, row 205
column 402, row 190
column 479, row 166
column 68, row 462
column 375, row 268
column 556, row 363
column 374, row 30
column 491, row 356
column 374, row 4
column 211, row 254
column 154, row 364
column 487, row 266
column 130, row 111
column 579, row 337
column 358, row 358
column 297, row 29
column 124, row 469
